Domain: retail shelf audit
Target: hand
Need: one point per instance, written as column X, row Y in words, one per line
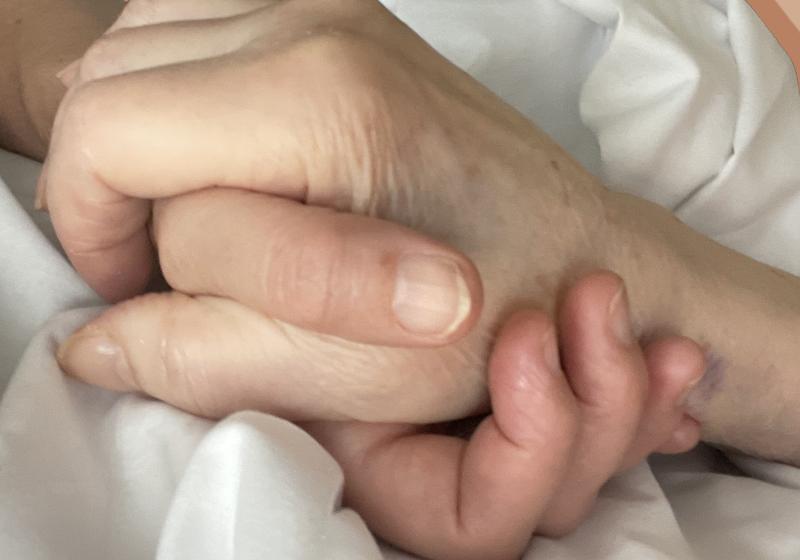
column 327, row 104
column 559, row 430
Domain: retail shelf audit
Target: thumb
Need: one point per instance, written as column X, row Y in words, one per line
column 212, row 356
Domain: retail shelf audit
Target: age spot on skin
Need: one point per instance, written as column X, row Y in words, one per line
column 708, row 386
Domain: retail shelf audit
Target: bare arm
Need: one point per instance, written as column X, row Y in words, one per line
column 747, row 314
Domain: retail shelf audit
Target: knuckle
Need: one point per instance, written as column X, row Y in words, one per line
column 353, row 66
column 86, row 118
column 360, row 122
column 120, row 223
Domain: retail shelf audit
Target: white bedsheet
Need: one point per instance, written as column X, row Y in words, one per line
column 687, row 102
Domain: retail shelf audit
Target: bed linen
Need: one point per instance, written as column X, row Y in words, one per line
column 690, row 103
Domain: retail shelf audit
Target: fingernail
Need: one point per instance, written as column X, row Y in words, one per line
column 430, row 295
column 92, row 356
column 69, row 73
column 619, row 317
column 550, row 352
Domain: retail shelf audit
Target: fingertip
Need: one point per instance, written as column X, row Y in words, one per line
column 600, row 285
column 91, row 355
column 683, row 439
column 676, row 364
column 597, row 302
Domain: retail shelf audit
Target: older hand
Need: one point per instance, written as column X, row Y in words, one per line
column 325, row 104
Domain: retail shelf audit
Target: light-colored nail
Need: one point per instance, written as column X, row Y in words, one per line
column 620, row 318
column 430, row 295
column 92, row 356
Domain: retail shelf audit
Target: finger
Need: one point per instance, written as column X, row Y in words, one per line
column 118, row 50
column 138, row 136
column 137, row 48
column 608, row 376
column 138, row 13
column 479, row 499
column 212, row 356
column 351, row 276
column 675, row 366
column 684, row 438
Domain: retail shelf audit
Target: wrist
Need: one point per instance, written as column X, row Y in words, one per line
column 744, row 313
column 644, row 246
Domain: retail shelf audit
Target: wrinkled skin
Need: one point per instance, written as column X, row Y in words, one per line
column 355, row 112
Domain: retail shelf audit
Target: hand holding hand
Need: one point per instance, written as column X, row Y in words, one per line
column 560, row 428
column 318, row 104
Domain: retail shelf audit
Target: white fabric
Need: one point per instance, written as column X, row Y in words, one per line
column 687, row 102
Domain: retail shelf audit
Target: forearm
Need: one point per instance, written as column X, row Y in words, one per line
column 37, row 39
column 747, row 314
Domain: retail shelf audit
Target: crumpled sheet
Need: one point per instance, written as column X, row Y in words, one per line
column 689, row 103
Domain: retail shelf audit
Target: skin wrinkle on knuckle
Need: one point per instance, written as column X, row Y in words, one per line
column 357, row 123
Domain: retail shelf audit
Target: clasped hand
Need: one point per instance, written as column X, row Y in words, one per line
column 347, row 220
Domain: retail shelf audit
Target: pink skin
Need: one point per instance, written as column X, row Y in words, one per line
column 560, row 429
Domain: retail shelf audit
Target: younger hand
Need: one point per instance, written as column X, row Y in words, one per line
column 248, row 122
column 560, row 429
